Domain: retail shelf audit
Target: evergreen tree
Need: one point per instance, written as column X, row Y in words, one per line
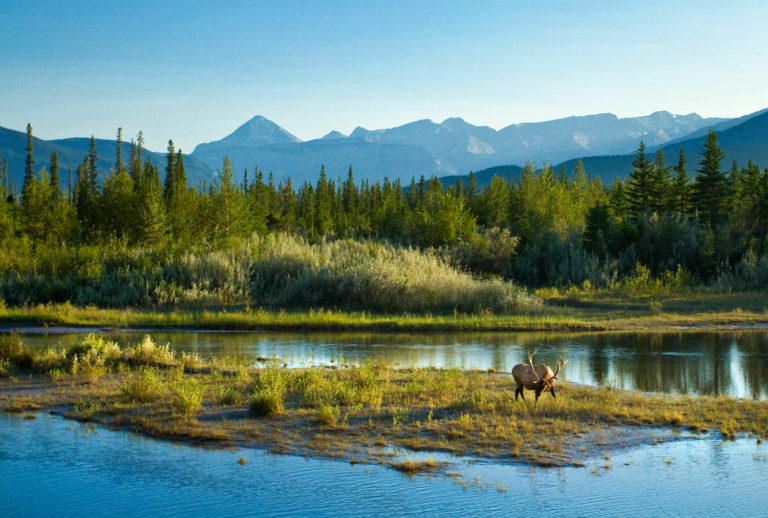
column 323, row 202
column 55, row 171
column 597, row 230
column 681, row 188
column 659, row 183
column 151, row 219
column 710, row 188
column 638, row 186
column 29, row 171
column 119, row 153
column 170, row 171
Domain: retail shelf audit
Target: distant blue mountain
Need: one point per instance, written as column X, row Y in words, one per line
column 742, row 139
column 452, row 147
column 72, row 151
column 748, row 140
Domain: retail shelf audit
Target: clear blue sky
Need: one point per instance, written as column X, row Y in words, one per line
column 194, row 71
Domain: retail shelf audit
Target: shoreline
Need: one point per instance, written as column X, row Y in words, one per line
column 358, row 414
column 554, row 319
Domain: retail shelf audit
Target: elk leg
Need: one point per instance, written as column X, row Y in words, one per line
column 553, row 392
column 517, row 392
column 522, row 392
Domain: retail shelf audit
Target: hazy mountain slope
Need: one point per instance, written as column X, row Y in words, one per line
column 257, row 132
column 72, row 151
column 302, row 161
column 746, row 141
column 454, row 145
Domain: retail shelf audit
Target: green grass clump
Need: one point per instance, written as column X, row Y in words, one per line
column 328, row 415
column 266, row 403
column 187, row 396
column 144, row 386
column 14, row 353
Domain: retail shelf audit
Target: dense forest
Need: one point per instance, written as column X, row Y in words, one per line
column 144, row 236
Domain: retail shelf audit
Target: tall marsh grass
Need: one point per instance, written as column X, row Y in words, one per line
column 275, row 270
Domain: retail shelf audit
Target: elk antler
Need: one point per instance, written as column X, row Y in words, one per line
column 530, row 361
column 560, row 365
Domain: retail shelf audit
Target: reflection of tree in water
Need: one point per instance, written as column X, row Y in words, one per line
column 753, row 347
column 598, row 359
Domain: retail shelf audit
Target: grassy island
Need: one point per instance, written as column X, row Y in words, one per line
column 358, row 413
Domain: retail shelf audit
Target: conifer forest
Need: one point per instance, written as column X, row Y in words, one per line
column 144, row 237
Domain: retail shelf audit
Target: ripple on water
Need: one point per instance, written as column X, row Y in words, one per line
column 50, row 466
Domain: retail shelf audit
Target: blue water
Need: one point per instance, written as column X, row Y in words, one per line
column 53, row 467
column 733, row 363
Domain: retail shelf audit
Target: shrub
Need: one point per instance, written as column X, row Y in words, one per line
column 187, row 396
column 328, row 415
column 143, row 387
column 14, row 352
column 266, row 403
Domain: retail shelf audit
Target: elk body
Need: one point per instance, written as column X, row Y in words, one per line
column 538, row 378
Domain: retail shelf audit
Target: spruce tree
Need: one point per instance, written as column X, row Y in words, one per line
column 54, row 174
column 710, row 190
column 170, row 171
column 681, row 188
column 659, row 183
column 119, row 154
column 29, row 171
column 638, row 187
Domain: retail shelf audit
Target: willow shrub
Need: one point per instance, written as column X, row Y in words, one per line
column 276, row 270
column 290, row 272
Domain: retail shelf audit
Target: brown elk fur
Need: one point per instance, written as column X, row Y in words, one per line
column 538, row 378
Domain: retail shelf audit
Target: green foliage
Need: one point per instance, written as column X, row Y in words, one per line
column 144, row 386
column 187, row 396
column 266, row 403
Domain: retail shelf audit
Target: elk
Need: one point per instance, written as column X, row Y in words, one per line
column 535, row 377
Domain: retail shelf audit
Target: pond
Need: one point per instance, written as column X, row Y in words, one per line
column 733, row 363
column 50, row 466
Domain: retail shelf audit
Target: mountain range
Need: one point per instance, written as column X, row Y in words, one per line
column 449, row 149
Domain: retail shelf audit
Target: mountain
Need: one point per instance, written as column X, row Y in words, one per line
column 745, row 141
column 256, row 132
column 72, row 151
column 302, row 161
column 451, row 147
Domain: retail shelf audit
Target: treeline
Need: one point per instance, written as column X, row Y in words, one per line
column 544, row 228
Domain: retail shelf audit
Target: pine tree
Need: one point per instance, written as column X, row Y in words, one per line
column 29, row 171
column 638, row 186
column 93, row 173
column 170, row 171
column 323, row 201
column 710, row 190
column 54, row 174
column 659, row 183
column 681, row 188
column 119, row 154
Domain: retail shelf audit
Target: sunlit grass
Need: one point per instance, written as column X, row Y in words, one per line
column 353, row 412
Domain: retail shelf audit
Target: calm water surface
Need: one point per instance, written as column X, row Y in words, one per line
column 730, row 363
column 53, row 467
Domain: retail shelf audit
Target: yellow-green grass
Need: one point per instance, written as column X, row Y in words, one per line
column 356, row 413
column 580, row 312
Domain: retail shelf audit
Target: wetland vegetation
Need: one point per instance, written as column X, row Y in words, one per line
column 356, row 413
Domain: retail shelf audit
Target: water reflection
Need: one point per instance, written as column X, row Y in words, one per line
column 719, row 363
column 46, row 463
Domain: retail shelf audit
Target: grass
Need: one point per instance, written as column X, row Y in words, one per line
column 358, row 413
column 575, row 312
